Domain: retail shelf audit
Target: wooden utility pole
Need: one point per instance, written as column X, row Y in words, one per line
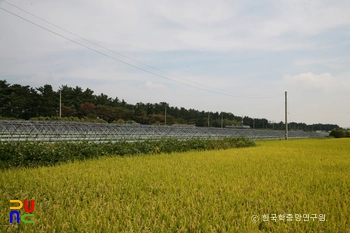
column 285, row 113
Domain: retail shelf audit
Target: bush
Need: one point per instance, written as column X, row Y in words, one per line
column 32, row 154
column 339, row 133
column 70, row 118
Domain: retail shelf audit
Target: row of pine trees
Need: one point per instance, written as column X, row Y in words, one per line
column 25, row 102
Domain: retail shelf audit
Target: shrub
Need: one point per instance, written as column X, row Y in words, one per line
column 32, row 154
column 339, row 133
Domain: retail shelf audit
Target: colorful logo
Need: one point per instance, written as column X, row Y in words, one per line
column 15, row 211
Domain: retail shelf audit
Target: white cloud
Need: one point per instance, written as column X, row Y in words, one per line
column 171, row 25
column 311, row 81
column 40, row 79
column 248, row 47
column 151, row 85
column 334, row 63
column 318, row 98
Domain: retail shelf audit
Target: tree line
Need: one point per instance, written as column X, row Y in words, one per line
column 25, row 102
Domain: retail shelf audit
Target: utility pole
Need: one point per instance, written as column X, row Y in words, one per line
column 60, row 103
column 285, row 105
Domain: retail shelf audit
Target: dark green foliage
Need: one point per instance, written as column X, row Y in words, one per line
column 340, row 133
column 71, row 118
column 32, row 154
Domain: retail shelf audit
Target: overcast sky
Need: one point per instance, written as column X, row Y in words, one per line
column 232, row 56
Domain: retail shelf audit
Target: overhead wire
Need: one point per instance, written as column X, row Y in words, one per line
column 126, row 63
column 112, row 51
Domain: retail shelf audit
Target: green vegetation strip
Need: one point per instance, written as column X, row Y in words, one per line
column 340, row 133
column 198, row 191
column 32, row 154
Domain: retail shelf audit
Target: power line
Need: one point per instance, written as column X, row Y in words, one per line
column 106, row 55
column 80, row 37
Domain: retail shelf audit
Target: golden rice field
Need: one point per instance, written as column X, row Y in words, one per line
column 277, row 186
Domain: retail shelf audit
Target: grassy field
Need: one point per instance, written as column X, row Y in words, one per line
column 212, row 191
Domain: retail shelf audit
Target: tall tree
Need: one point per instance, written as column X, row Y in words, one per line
column 18, row 101
column 3, row 97
column 103, row 99
column 87, row 110
column 48, row 101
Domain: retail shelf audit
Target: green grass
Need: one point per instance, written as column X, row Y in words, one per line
column 208, row 191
